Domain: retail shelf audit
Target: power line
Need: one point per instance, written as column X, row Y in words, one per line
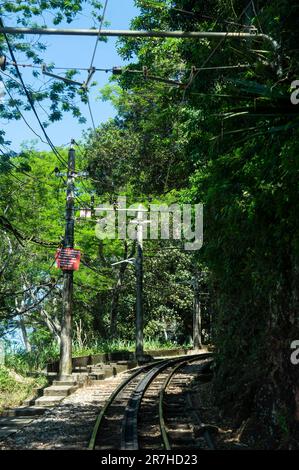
column 29, row 289
column 11, row 78
column 92, row 69
column 99, row 34
column 118, row 70
column 59, row 157
column 108, row 69
column 90, row 111
column 23, row 183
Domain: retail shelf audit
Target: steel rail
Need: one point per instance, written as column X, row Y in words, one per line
column 164, row 433
column 109, row 401
column 129, row 438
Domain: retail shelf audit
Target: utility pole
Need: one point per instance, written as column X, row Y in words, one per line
column 138, row 263
column 139, row 288
column 65, row 365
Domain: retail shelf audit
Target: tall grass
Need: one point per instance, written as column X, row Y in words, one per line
column 14, row 389
column 104, row 346
column 36, row 360
column 25, row 362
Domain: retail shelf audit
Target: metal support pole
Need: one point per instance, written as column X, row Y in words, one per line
column 139, row 289
column 65, row 365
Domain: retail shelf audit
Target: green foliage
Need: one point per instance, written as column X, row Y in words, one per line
column 6, row 381
column 228, row 139
column 57, row 96
column 24, row 363
column 14, row 389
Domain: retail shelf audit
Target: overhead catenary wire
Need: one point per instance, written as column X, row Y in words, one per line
column 54, row 67
column 192, row 13
column 116, row 70
column 91, row 68
column 22, row 182
column 125, row 70
column 11, row 78
column 90, row 112
column 99, row 35
column 29, row 289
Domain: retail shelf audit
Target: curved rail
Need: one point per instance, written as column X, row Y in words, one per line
column 163, row 430
column 129, row 433
column 95, row 432
column 129, row 438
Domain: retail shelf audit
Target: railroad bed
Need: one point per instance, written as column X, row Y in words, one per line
column 150, row 407
column 153, row 409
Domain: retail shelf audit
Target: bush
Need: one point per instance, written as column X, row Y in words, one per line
column 14, row 388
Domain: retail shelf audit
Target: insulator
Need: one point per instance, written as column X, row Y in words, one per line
column 3, row 62
column 117, row 71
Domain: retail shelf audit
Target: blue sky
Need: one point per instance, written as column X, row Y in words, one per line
column 75, row 52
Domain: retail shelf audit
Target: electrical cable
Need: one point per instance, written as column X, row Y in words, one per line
column 11, row 78
column 34, row 178
column 91, row 69
column 61, row 68
column 99, row 34
column 90, row 112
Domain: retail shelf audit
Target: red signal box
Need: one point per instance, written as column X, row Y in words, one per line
column 68, row 259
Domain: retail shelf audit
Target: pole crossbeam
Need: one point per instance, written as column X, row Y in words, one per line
column 141, row 34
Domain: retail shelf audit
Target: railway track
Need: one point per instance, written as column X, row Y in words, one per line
column 152, row 409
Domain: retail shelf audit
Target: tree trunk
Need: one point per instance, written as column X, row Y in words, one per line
column 197, row 344
column 24, row 334
column 52, row 324
column 65, row 366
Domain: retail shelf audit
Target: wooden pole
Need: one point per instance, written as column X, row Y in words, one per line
column 65, row 365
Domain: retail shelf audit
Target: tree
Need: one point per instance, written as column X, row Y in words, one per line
column 218, row 126
column 57, row 96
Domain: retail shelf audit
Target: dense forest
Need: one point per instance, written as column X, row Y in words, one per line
column 197, row 121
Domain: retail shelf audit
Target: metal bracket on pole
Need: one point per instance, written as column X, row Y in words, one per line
column 91, row 72
column 129, row 260
column 58, row 77
column 83, row 85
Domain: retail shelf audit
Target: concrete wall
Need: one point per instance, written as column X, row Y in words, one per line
column 105, row 358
